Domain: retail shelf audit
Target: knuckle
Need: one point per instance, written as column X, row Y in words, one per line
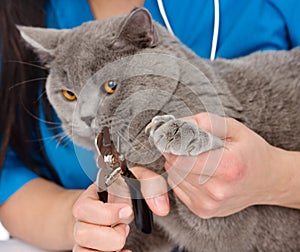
column 122, row 236
column 110, row 219
column 210, row 206
column 80, row 234
column 217, row 194
column 204, row 214
column 120, row 241
column 206, row 210
column 78, row 210
column 109, row 215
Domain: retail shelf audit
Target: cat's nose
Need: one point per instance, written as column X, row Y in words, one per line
column 87, row 119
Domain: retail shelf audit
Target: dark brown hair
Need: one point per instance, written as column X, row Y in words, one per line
column 21, row 86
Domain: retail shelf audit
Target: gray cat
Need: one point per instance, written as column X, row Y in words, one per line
column 124, row 71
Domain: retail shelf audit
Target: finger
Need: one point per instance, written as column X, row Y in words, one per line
column 219, row 126
column 154, row 189
column 182, row 195
column 192, row 179
column 77, row 248
column 102, row 213
column 181, row 167
column 191, row 197
column 90, row 209
column 81, row 249
column 159, row 204
column 119, row 192
column 91, row 192
column 100, row 237
column 196, row 200
column 205, row 166
column 116, row 198
column 191, row 190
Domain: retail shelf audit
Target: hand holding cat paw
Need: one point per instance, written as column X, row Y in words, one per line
column 226, row 180
column 100, row 226
column 180, row 136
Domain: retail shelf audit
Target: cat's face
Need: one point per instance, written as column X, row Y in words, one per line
column 105, row 73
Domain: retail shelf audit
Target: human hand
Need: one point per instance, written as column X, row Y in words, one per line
column 154, row 189
column 229, row 179
column 100, row 226
column 245, row 171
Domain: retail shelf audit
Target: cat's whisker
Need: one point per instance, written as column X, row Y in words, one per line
column 26, row 81
column 41, row 95
column 55, row 127
column 61, row 140
column 41, row 120
column 56, row 124
column 26, row 63
column 56, row 136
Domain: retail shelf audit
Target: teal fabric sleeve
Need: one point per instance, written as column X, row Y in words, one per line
column 14, row 175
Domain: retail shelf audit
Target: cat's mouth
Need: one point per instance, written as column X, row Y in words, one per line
column 132, row 139
column 81, row 136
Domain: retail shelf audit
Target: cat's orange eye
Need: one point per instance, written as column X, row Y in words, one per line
column 70, row 96
column 110, row 86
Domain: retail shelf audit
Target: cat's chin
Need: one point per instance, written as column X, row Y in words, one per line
column 84, row 140
column 87, row 143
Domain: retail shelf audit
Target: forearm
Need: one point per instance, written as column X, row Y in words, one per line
column 286, row 166
column 41, row 214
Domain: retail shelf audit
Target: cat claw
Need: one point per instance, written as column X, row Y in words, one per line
column 156, row 122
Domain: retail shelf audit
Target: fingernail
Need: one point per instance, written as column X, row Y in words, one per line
column 162, row 204
column 125, row 212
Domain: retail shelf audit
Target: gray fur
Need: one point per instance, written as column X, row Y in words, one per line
column 261, row 90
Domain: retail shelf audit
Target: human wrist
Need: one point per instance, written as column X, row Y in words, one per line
column 284, row 166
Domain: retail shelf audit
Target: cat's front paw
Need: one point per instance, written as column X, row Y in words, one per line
column 180, row 137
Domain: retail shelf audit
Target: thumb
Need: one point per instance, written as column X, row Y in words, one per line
column 222, row 127
column 211, row 123
column 154, row 189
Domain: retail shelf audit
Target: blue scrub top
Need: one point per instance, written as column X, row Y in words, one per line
column 245, row 26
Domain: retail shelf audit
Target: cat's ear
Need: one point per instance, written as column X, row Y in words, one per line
column 43, row 40
column 136, row 30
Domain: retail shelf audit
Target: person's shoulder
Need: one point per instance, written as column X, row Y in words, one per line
column 289, row 10
column 283, row 2
column 285, row 6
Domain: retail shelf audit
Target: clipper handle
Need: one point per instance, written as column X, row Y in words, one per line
column 143, row 216
column 103, row 196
